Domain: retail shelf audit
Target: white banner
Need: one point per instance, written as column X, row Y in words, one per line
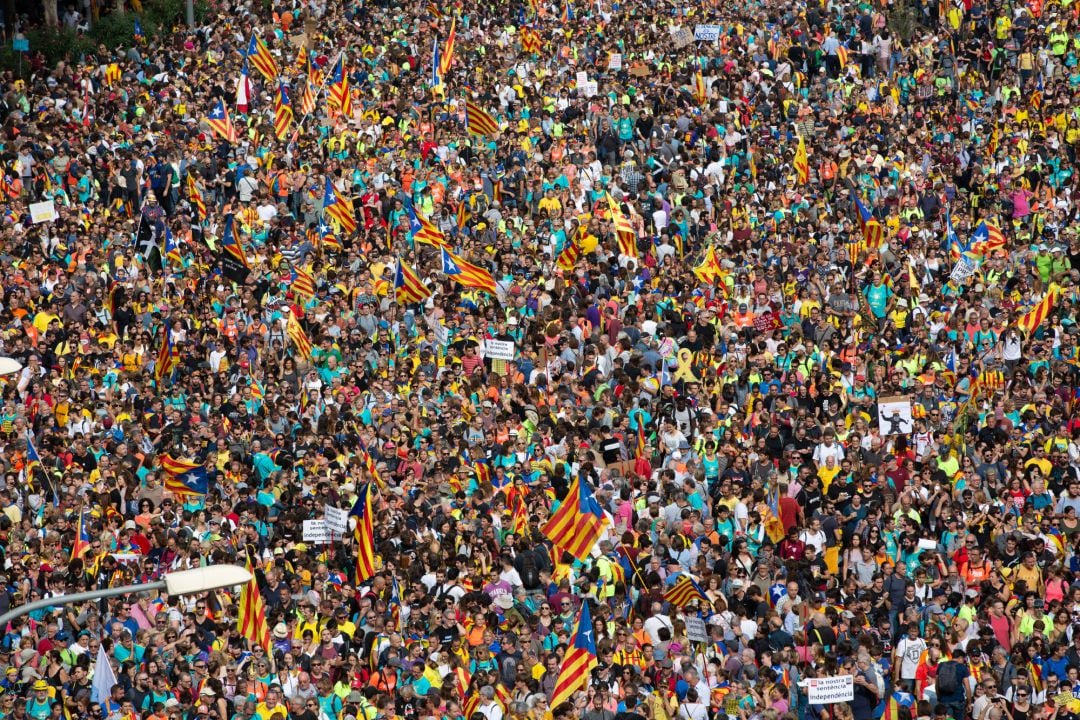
column 615, row 61
column 588, row 89
column 827, row 690
column 498, row 349
column 708, row 33
column 316, row 532
column 42, row 212
column 337, row 520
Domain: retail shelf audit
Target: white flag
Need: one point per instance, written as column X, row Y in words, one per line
column 104, row 678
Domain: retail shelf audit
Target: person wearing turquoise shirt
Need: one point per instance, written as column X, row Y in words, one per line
column 879, row 297
column 264, row 465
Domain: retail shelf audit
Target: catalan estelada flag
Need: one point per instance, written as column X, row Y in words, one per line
column 324, row 232
column 478, row 121
column 568, row 16
column 81, row 546
column 624, row 231
column 298, row 336
column 364, row 512
column 219, row 122
column 230, row 244
column 338, row 208
column 462, row 214
column 684, row 591
column 408, row 288
column 579, row 660
column 569, row 256
column 251, row 621
column 466, row 274
column 259, row 55
column 578, row 523
column 424, row 231
column 196, row 199
column 802, row 162
column 340, row 94
column 872, row 231
column 899, row 706
column 183, row 477
column 283, row 113
column 172, row 247
column 1035, row 317
column 113, row 74
column 167, row 358
column 33, row 459
column 986, row 239
column 447, row 57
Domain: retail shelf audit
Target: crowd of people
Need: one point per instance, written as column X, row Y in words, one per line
column 788, row 290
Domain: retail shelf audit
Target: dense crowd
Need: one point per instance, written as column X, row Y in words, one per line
column 786, row 293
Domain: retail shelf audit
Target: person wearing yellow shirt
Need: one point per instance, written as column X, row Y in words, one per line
column 1029, row 571
column 43, row 318
column 272, row 704
column 308, row 621
column 1040, row 461
column 344, row 624
column 549, row 202
column 828, row 472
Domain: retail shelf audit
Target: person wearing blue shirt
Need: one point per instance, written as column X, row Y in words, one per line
column 39, row 706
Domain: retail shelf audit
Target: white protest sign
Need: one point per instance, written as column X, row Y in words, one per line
column 588, row 89
column 827, row 690
column 615, row 61
column 581, row 78
column 42, row 212
column 336, row 519
column 499, row 349
column 708, row 33
column 963, row 270
column 316, row 532
column 695, row 630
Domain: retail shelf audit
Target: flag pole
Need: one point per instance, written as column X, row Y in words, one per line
column 322, row 88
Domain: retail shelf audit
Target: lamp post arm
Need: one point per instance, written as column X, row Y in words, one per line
column 56, row 601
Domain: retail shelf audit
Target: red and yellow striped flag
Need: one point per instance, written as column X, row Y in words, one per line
column 578, row 662
column 447, row 57
column 700, row 93
column 569, row 256
column 802, row 162
column 196, row 198
column 283, row 112
column 408, row 288
column 298, row 336
column 623, row 229
column 478, row 121
column 1035, row 317
column 364, row 512
column 252, row 618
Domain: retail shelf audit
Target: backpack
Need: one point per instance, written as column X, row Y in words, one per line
column 530, row 574
column 948, row 681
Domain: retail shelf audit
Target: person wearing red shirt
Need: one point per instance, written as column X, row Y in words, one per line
column 791, row 547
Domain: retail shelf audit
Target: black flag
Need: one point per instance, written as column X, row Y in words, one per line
column 148, row 242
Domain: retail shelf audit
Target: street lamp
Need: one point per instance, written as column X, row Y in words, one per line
column 9, row 366
column 183, row 582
